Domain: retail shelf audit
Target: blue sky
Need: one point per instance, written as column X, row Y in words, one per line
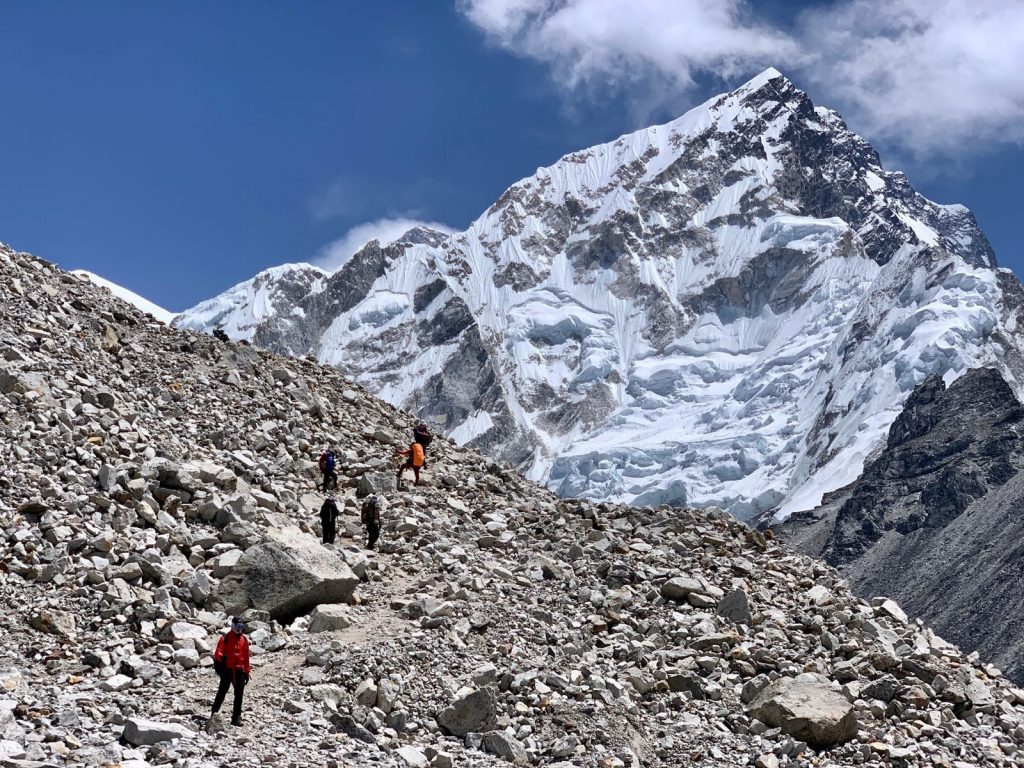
column 178, row 148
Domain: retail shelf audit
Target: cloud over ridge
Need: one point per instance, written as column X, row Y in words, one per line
column 333, row 256
column 930, row 77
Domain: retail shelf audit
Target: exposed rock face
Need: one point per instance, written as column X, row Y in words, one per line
column 727, row 309
column 808, row 708
column 533, row 624
column 937, row 519
column 285, row 577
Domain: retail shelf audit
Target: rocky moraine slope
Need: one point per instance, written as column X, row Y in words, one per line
column 154, row 478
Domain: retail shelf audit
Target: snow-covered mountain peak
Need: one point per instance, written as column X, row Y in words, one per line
column 729, row 308
column 274, row 294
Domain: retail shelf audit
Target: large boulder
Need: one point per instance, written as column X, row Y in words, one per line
column 380, row 483
column 808, row 708
column 144, row 733
column 286, row 576
column 472, row 713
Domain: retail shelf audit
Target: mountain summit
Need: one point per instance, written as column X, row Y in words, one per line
column 728, row 309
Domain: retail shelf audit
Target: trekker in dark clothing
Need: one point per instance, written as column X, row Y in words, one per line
column 371, row 519
column 328, row 466
column 421, row 434
column 329, row 519
column 231, row 662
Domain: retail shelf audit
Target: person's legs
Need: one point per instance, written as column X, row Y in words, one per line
column 372, row 533
column 222, row 691
column 236, row 710
column 330, row 532
column 401, row 471
column 416, row 473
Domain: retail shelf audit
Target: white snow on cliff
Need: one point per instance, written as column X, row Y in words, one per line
column 161, row 314
column 728, row 309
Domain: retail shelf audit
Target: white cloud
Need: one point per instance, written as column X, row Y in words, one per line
column 938, row 76
column 333, row 256
column 927, row 76
column 342, row 198
column 621, row 42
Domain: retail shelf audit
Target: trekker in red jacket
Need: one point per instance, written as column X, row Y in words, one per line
column 231, row 662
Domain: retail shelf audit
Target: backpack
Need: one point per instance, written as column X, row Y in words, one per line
column 329, row 462
column 329, row 510
column 370, row 511
column 418, row 457
column 421, row 433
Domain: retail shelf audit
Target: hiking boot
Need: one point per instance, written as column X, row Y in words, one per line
column 236, row 721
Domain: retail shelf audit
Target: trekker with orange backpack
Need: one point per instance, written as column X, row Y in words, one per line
column 417, row 460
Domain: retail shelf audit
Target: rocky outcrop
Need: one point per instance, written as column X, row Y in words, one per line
column 935, row 520
column 286, row 576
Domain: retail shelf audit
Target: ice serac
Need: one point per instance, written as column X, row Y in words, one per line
column 726, row 309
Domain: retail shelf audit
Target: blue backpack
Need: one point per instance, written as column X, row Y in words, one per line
column 328, row 462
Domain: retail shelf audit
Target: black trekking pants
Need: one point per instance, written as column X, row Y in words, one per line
column 330, row 479
column 229, row 677
column 330, row 529
column 372, row 533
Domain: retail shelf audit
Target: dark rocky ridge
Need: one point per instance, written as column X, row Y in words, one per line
column 937, row 519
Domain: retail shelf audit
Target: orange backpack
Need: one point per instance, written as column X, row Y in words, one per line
column 417, row 455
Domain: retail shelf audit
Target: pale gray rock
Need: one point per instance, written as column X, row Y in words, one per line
column 808, row 708
column 286, row 576
column 412, row 757
column 505, row 746
column 329, row 618
column 380, row 483
column 735, row 606
column 141, row 732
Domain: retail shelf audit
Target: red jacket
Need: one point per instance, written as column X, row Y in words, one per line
column 233, row 650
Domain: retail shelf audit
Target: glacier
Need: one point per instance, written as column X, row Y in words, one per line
column 728, row 309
